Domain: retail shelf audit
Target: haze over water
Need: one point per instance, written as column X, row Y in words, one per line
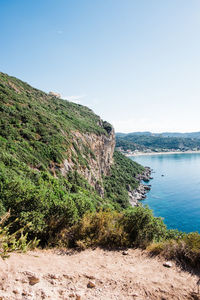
column 176, row 195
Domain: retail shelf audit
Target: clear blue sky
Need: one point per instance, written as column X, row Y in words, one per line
column 136, row 63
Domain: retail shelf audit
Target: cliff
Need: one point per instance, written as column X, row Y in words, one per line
column 99, row 164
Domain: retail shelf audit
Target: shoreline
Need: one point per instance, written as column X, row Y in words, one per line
column 139, row 193
column 162, row 153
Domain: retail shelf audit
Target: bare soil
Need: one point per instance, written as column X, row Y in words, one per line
column 93, row 274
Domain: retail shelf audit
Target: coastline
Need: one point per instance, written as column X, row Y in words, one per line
column 162, row 153
column 135, row 196
column 138, row 194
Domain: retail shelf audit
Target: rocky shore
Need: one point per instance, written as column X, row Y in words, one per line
column 140, row 193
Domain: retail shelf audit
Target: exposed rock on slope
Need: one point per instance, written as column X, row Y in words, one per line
column 135, row 195
column 99, row 163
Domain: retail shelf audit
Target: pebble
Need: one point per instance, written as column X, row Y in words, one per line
column 53, row 276
column 32, row 277
column 125, row 252
column 91, row 284
column 167, row 264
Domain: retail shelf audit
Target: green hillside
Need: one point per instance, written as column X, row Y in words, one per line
column 157, row 142
column 36, row 135
column 40, row 126
column 40, row 203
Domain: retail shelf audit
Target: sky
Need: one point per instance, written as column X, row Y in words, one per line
column 136, row 63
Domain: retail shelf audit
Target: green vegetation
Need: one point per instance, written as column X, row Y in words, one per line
column 38, row 128
column 17, row 241
column 40, row 205
column 122, row 175
column 133, row 227
column 128, row 145
column 157, row 142
column 36, row 135
column 184, row 249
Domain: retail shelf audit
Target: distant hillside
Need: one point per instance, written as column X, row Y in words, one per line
column 195, row 135
column 163, row 134
column 158, row 142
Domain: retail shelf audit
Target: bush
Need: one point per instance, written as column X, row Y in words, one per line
column 142, row 227
column 185, row 250
column 112, row 229
column 103, row 228
column 17, row 241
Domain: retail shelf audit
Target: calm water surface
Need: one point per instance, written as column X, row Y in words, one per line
column 176, row 196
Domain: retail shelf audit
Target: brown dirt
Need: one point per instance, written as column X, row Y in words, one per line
column 93, row 274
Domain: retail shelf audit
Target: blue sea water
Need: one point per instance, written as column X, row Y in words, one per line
column 176, row 195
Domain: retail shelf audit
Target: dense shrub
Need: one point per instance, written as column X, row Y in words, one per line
column 142, row 227
column 111, row 229
column 103, row 228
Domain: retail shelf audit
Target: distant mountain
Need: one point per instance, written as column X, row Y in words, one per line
column 193, row 135
column 166, row 141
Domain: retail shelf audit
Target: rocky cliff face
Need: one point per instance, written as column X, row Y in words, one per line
column 97, row 151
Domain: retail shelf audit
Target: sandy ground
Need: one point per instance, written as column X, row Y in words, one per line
column 162, row 153
column 93, row 274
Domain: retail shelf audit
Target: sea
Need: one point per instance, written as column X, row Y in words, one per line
column 175, row 189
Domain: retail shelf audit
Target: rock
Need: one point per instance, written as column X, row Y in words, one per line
column 53, row 276
column 91, row 285
column 167, row 264
column 125, row 252
column 138, row 194
column 146, row 179
column 103, row 148
column 52, row 281
column 89, row 276
column 53, row 94
column 80, row 295
column 147, row 187
column 24, row 293
column 61, row 292
column 32, row 277
column 16, row 291
column 41, row 293
column 135, row 295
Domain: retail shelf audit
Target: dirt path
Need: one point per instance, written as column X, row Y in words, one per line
column 92, row 274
